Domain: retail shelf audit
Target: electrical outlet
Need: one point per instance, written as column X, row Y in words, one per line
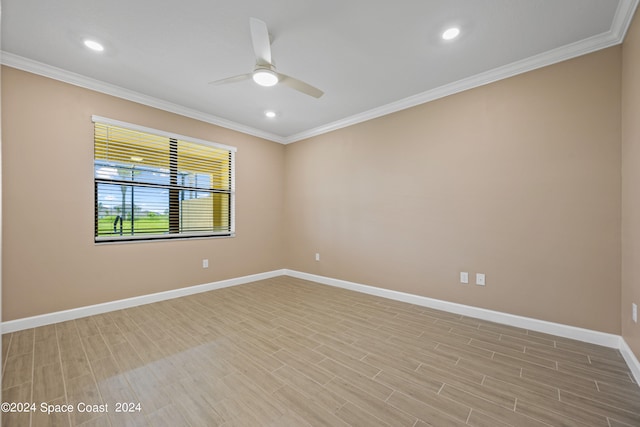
column 480, row 279
column 464, row 277
column 634, row 312
column 317, row 256
column 205, row 263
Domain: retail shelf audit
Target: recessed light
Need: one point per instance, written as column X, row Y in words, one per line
column 451, row 33
column 136, row 158
column 94, row 45
column 270, row 114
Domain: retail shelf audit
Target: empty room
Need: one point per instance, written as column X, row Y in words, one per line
column 338, row 213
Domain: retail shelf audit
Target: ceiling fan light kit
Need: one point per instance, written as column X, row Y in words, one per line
column 265, row 77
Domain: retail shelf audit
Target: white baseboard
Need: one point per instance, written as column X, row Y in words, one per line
column 76, row 313
column 580, row 334
column 631, row 359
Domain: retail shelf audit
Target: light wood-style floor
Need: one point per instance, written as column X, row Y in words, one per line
column 286, row 352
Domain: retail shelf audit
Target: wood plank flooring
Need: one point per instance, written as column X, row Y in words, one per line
column 287, row 352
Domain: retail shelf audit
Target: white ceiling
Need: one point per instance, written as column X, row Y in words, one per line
column 369, row 57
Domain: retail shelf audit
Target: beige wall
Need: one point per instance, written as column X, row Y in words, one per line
column 50, row 262
column 519, row 180
column 631, row 183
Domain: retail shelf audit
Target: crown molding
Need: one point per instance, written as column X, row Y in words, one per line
column 620, row 24
column 622, row 20
column 623, row 17
column 35, row 67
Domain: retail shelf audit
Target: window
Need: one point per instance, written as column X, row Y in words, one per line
column 153, row 185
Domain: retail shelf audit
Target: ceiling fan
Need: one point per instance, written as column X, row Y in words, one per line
column 265, row 73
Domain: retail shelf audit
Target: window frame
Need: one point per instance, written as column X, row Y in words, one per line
column 172, row 137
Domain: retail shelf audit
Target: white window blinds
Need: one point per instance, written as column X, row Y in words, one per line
column 150, row 184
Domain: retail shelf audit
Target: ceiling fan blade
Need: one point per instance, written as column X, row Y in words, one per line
column 300, row 86
column 234, row 79
column 260, row 41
